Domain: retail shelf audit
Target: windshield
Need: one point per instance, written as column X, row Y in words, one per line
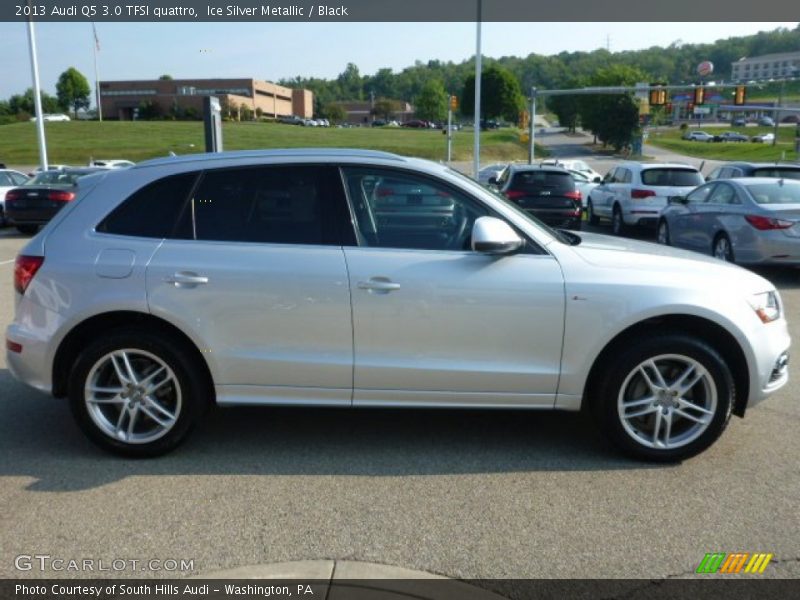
column 780, row 192
column 672, row 177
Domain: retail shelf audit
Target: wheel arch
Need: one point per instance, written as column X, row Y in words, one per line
column 709, row 331
column 86, row 330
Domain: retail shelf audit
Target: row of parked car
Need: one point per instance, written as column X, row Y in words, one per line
column 728, row 136
column 29, row 201
column 741, row 212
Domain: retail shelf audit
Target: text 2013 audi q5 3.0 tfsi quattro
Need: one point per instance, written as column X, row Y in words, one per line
column 364, row 279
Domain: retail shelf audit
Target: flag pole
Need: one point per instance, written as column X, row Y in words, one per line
column 37, row 96
column 96, row 77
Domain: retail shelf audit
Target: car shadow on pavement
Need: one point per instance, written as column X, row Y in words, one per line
column 39, row 440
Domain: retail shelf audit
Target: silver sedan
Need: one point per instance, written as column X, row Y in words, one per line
column 749, row 220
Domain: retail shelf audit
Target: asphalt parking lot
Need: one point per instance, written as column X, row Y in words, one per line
column 463, row 494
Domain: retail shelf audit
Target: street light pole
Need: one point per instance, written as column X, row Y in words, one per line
column 37, row 96
column 778, row 113
column 476, row 161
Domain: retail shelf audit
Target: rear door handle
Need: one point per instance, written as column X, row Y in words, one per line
column 187, row 279
column 378, row 285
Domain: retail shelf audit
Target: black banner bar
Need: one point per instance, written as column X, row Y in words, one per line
column 395, row 10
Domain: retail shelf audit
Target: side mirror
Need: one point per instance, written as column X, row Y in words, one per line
column 492, row 180
column 493, row 236
column 597, row 180
column 677, row 200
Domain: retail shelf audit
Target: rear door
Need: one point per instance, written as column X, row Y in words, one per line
column 687, row 220
column 255, row 271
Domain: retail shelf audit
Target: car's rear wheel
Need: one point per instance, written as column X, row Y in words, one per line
column 27, row 229
column 592, row 218
column 132, row 394
column 722, row 248
column 617, row 222
column 663, row 233
column 665, row 398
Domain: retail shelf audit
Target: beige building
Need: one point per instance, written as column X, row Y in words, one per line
column 768, row 66
column 121, row 99
column 363, row 113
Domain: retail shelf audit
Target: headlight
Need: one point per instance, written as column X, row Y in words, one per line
column 766, row 305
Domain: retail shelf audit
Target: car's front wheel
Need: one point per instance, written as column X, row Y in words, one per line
column 132, row 393
column 665, row 398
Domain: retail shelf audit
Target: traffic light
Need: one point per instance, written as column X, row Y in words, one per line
column 453, row 102
column 739, row 96
column 658, row 96
column 699, row 95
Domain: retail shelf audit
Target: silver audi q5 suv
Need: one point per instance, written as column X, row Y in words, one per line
column 364, row 279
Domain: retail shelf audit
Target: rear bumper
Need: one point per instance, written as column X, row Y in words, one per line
column 30, row 216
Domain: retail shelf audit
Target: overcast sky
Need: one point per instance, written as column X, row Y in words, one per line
column 272, row 51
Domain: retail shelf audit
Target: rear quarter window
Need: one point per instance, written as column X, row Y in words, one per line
column 782, row 173
column 671, row 177
column 153, row 210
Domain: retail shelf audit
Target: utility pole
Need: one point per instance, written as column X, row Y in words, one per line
column 476, row 162
column 532, row 128
column 96, row 77
column 37, row 95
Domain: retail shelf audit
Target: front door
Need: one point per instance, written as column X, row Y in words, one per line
column 435, row 323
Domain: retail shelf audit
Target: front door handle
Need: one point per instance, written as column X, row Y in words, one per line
column 378, row 285
column 187, row 279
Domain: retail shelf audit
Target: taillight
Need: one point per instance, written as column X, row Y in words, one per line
column 13, row 194
column 767, row 223
column 514, row 194
column 576, row 196
column 61, row 196
column 639, row 194
column 25, row 269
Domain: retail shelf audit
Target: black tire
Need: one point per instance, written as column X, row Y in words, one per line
column 618, row 226
column 607, row 389
column 28, row 229
column 592, row 218
column 662, row 233
column 722, row 248
column 194, row 395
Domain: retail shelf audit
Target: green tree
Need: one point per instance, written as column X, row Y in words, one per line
column 73, row 90
column 384, row 108
column 431, row 103
column 500, row 95
column 351, row 83
column 20, row 103
column 613, row 118
column 567, row 107
column 335, row 112
column 165, row 77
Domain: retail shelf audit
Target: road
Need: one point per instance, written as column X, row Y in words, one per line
column 463, row 494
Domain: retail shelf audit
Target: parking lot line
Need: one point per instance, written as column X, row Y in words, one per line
column 5, row 262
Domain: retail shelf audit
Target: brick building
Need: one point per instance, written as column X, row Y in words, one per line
column 120, row 99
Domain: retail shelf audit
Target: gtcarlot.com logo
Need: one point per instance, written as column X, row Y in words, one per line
column 45, row 562
column 736, row 562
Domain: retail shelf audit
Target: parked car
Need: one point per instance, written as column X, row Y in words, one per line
column 416, row 124
column 114, row 163
column 52, row 117
column 489, row 174
column 50, row 167
column 739, row 122
column 574, row 165
column 698, row 136
column 766, row 122
column 38, row 199
column 748, row 220
column 584, row 185
column 8, row 179
column 263, row 278
column 378, row 123
column 546, row 192
column 731, row 136
column 636, row 193
column 490, row 124
column 755, row 169
column 764, row 138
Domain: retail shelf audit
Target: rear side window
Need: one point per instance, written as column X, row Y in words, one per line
column 151, row 211
column 538, row 181
column 779, row 172
column 271, row 204
column 775, row 193
column 671, row 177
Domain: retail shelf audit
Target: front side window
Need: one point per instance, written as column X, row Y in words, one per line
column 723, row 194
column 271, row 204
column 395, row 209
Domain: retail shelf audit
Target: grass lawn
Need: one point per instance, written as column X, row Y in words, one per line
column 76, row 141
column 671, row 140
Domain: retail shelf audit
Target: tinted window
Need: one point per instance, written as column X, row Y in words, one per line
column 779, row 172
column 153, row 210
column 18, row 178
column 671, row 177
column 400, row 210
column 275, row 204
column 700, row 194
column 536, row 181
column 775, row 193
column 61, row 178
column 625, row 176
column 723, row 194
column 5, row 180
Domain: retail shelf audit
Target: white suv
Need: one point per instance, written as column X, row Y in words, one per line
column 636, row 193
